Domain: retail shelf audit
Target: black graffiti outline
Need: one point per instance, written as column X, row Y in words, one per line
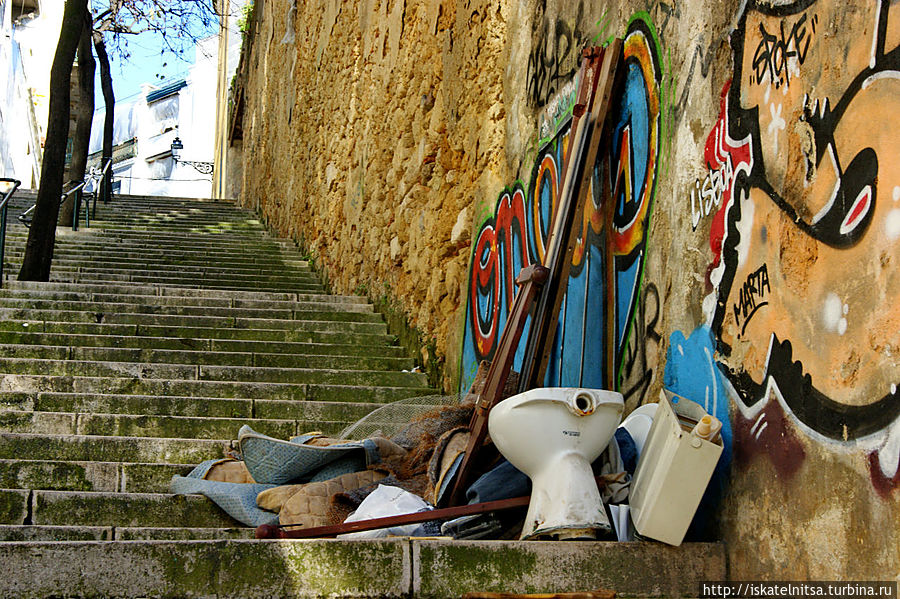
column 634, row 353
column 756, row 283
column 773, row 53
column 550, row 55
column 811, row 406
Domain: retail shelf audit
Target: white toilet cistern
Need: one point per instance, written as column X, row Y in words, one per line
column 553, row 434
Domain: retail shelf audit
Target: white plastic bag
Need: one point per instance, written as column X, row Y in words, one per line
column 382, row 502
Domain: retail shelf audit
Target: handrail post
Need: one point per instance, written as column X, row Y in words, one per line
column 2, row 240
column 76, row 210
column 87, row 210
column 4, row 206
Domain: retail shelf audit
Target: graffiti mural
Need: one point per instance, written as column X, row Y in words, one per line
column 625, row 178
column 804, row 193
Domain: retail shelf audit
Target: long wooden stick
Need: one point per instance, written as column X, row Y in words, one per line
column 268, row 531
column 530, row 280
column 580, row 156
column 565, row 235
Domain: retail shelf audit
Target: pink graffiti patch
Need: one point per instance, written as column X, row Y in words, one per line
column 769, row 434
column 883, row 485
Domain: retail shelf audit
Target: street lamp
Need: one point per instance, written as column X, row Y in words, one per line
column 205, row 168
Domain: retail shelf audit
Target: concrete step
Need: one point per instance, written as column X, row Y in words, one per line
column 172, row 405
column 307, row 333
column 142, row 259
column 160, row 290
column 32, row 383
column 130, row 212
column 182, row 372
column 231, row 229
column 94, row 316
column 97, row 448
column 110, row 240
column 170, row 221
column 110, row 477
column 208, row 283
column 98, row 249
column 91, row 245
column 297, row 311
column 133, row 425
column 97, row 508
column 188, row 279
column 263, row 348
column 205, row 357
column 299, row 302
column 231, row 226
column 167, row 216
column 24, row 533
column 188, row 276
column 426, row 569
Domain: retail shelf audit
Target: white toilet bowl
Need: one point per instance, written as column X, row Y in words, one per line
column 553, row 435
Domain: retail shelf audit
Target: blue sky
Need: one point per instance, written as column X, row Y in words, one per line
column 147, row 64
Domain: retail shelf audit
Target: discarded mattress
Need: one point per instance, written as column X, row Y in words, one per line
column 237, row 499
column 277, row 462
column 272, row 462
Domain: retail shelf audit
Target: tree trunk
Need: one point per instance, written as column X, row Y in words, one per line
column 109, row 99
column 84, row 118
column 42, row 236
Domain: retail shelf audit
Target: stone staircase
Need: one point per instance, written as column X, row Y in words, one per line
column 169, row 323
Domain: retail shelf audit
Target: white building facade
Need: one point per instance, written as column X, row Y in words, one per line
column 144, row 128
column 143, row 163
column 25, row 60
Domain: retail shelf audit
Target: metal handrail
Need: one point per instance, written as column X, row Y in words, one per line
column 24, row 217
column 77, row 208
column 94, row 177
column 3, row 207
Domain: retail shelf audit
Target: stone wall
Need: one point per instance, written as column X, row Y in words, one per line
column 378, row 186
column 753, row 241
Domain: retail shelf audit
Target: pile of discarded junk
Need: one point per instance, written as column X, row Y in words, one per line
column 513, row 458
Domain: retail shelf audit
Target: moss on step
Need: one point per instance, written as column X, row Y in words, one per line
column 51, row 423
column 55, row 533
column 179, row 427
column 182, row 534
column 127, row 509
column 231, row 568
column 58, row 475
column 150, row 478
column 451, row 569
column 109, row 449
column 13, row 506
column 160, row 405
